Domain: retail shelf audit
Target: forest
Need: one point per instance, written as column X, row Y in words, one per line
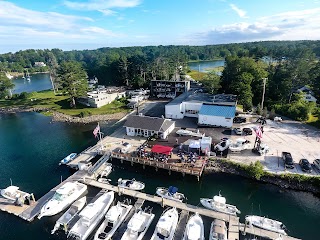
column 294, row 64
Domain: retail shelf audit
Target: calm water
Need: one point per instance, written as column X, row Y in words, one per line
column 38, row 82
column 205, row 66
column 31, row 147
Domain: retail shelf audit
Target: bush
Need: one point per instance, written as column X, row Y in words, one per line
column 255, row 170
column 24, row 95
column 85, row 114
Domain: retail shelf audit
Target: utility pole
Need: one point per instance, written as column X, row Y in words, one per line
column 263, row 92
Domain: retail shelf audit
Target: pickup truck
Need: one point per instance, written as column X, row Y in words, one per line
column 288, row 161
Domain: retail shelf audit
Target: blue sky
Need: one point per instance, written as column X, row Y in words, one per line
column 89, row 24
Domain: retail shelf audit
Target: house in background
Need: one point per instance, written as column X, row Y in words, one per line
column 145, row 126
column 307, row 93
column 168, row 88
column 39, row 64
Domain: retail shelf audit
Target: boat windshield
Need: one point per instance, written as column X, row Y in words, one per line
column 58, row 196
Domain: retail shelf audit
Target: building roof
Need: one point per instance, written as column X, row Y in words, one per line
column 149, row 123
column 161, row 149
column 218, row 110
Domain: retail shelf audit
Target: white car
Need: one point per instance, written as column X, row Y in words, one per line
column 183, row 132
column 238, row 131
column 125, row 147
column 277, row 119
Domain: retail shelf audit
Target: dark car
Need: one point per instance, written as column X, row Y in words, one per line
column 305, row 165
column 288, row 161
column 247, row 131
column 239, row 120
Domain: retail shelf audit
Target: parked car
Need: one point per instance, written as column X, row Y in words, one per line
column 247, row 131
column 277, row 119
column 125, row 147
column 288, row 161
column 238, row 131
column 305, row 165
column 316, row 163
column 262, row 120
column 239, row 120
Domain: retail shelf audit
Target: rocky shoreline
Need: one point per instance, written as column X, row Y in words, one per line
column 292, row 183
column 60, row 117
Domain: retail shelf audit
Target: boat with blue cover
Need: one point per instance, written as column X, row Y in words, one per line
column 170, row 193
column 68, row 158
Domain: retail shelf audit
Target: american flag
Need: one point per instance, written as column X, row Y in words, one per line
column 96, row 131
column 257, row 130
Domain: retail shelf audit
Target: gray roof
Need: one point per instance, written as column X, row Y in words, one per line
column 148, row 123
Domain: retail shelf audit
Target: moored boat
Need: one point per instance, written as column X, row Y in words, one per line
column 166, row 225
column 90, row 216
column 62, row 198
column 113, row 219
column 68, row 158
column 65, row 219
column 218, row 203
column 13, row 192
column 131, row 184
column 218, row 230
column 266, row 223
column 138, row 225
column 194, row 228
column 170, row 193
column 106, row 170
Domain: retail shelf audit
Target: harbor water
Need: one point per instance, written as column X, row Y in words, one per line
column 38, row 82
column 205, row 66
column 31, row 147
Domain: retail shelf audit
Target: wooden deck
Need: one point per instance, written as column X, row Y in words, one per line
column 7, row 205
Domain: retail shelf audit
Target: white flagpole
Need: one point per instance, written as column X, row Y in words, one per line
column 101, row 147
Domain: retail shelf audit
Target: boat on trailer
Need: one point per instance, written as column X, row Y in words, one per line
column 170, row 193
column 218, row 203
column 13, row 192
column 131, row 184
column 266, row 223
column 65, row 219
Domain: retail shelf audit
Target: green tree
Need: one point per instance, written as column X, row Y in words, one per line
column 73, row 80
column 211, row 82
column 5, row 85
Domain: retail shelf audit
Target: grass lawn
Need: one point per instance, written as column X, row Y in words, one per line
column 314, row 121
column 47, row 99
column 198, row 76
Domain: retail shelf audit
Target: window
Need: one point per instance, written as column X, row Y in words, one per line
column 192, row 111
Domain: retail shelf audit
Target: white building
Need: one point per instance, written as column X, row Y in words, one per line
column 39, row 64
column 168, row 88
column 100, row 98
column 146, row 126
column 307, row 93
column 211, row 110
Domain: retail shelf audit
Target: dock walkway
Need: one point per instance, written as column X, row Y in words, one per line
column 183, row 218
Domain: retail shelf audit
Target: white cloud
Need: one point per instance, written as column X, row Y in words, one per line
column 98, row 5
column 107, row 12
column 239, row 11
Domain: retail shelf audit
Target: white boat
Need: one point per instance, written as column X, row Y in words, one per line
column 166, row 225
column 170, row 193
column 68, row 158
column 183, row 132
column 131, row 184
column 239, row 145
column 113, row 219
column 65, row 219
column 28, row 76
column 194, row 229
column 266, row 223
column 218, row 203
column 62, row 198
column 106, row 170
column 218, row 230
column 138, row 225
column 90, row 216
column 13, row 192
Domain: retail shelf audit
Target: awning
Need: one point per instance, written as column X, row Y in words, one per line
column 161, row 149
column 194, row 144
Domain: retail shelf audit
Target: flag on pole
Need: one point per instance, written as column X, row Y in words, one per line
column 257, row 130
column 96, row 131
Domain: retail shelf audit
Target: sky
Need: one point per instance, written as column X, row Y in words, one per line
column 90, row 24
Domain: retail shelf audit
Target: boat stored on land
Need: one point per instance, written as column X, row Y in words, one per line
column 13, row 192
column 266, row 223
column 170, row 193
column 65, row 219
column 62, row 198
column 113, row 219
column 68, row 158
column 131, row 184
column 218, row 203
column 218, row 230
column 166, row 225
column 194, row 228
column 90, row 216
column 138, row 225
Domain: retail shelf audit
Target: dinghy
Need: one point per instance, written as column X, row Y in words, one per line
column 68, row 158
column 170, row 193
column 218, row 203
column 194, row 229
column 131, row 184
column 266, row 223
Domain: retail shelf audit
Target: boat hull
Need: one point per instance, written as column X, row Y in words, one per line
column 228, row 209
column 134, row 185
column 266, row 223
column 194, row 228
column 173, row 216
column 163, row 192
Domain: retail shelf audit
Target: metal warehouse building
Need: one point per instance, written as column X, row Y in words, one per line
column 211, row 110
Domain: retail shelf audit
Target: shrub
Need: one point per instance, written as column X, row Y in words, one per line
column 85, row 114
column 255, row 170
column 24, row 95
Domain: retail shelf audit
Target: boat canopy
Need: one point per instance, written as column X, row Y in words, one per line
column 136, row 222
column 66, row 188
column 172, row 190
column 11, row 189
column 219, row 199
column 194, row 232
column 114, row 213
column 91, row 210
column 194, row 144
column 161, row 149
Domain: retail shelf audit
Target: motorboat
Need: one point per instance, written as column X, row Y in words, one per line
column 183, row 132
column 13, row 192
column 239, row 145
column 106, row 170
column 62, row 198
column 113, row 219
column 66, row 218
column 166, row 225
column 68, row 158
column 131, row 184
column 90, row 216
column 218, row 203
column 266, row 223
column 218, row 230
column 194, row 229
column 138, row 225
column 170, row 193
